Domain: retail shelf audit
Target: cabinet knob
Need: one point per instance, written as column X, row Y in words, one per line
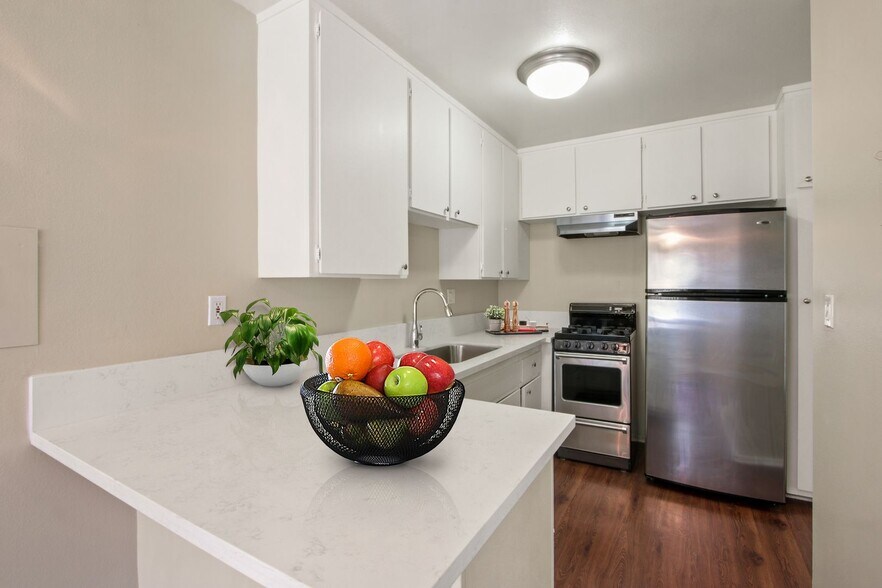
column 534, row 364
column 694, row 197
column 569, row 208
column 447, row 209
column 716, row 195
column 807, row 179
column 457, row 213
column 500, row 272
column 507, row 272
column 585, row 207
column 404, row 267
column 806, row 300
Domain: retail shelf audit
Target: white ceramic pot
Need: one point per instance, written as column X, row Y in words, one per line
column 494, row 324
column 263, row 374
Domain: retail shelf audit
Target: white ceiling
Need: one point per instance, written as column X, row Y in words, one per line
column 661, row 60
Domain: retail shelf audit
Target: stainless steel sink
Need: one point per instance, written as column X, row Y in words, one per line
column 458, row 352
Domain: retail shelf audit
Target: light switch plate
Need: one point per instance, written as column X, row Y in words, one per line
column 18, row 286
column 828, row 310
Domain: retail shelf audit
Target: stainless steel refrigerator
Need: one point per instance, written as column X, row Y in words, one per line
column 715, row 351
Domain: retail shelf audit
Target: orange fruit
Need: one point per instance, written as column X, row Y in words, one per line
column 348, row 359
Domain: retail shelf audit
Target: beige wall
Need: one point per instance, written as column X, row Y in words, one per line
column 847, row 144
column 127, row 136
column 587, row 270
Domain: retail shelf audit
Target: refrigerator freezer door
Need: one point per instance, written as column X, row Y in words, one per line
column 716, row 395
column 729, row 251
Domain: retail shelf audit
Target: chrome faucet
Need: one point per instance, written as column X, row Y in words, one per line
column 416, row 333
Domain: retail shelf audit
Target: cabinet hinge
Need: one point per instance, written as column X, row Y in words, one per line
column 318, row 29
column 318, row 253
column 410, row 92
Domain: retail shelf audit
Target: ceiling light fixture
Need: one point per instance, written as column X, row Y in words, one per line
column 558, row 72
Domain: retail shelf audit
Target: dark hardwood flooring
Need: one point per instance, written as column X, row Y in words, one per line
column 615, row 528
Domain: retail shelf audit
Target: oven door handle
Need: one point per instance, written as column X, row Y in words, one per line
column 601, row 425
column 590, row 356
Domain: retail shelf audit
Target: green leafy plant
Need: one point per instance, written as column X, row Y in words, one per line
column 278, row 336
column 494, row 312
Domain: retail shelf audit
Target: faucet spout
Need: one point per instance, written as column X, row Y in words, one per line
column 416, row 332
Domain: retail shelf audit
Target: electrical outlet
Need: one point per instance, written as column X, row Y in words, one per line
column 828, row 310
column 216, row 305
column 451, row 296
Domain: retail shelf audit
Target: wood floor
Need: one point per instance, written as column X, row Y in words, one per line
column 615, row 528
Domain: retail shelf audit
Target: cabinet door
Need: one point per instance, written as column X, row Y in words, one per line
column 608, row 176
column 548, row 183
column 736, row 159
column 672, row 167
column 798, row 139
column 465, row 168
column 531, row 394
column 491, row 216
column 512, row 399
column 515, row 234
column 429, row 150
column 363, row 156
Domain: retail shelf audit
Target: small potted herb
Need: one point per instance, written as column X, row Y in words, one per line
column 269, row 346
column 494, row 315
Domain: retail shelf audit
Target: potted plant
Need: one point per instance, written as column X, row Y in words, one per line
column 494, row 315
column 269, row 346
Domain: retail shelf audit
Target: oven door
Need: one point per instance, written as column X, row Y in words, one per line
column 593, row 386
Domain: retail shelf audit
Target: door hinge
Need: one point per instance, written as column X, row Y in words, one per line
column 318, row 29
column 318, row 253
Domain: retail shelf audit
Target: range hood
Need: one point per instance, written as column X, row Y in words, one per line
column 598, row 225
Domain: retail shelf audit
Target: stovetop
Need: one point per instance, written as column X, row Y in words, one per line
column 598, row 328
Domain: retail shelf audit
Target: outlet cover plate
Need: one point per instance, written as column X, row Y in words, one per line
column 216, row 305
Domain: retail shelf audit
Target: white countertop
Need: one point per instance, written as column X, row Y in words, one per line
column 236, row 470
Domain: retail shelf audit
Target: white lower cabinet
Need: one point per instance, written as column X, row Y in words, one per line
column 332, row 150
column 531, row 394
column 505, row 382
column 513, row 398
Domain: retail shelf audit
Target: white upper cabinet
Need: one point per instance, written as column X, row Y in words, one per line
column 797, row 113
column 672, row 167
column 465, row 168
column 332, row 150
column 548, row 183
column 429, row 150
column 608, row 176
column 736, row 159
column 363, row 155
column 515, row 234
column 492, row 208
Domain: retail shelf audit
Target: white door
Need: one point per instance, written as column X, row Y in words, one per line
column 735, row 157
column 363, row 156
column 465, row 168
column 531, row 394
column 515, row 234
column 512, row 399
column 608, row 176
column 548, row 183
column 492, row 208
column 429, row 150
column 672, row 167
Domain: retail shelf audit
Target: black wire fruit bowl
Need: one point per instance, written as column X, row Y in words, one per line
column 380, row 430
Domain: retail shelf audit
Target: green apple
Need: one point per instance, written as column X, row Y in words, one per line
column 404, row 383
column 386, row 433
column 326, row 407
column 328, row 386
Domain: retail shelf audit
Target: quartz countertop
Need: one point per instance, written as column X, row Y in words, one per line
column 236, row 470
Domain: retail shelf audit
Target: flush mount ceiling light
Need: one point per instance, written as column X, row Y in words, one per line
column 558, row 72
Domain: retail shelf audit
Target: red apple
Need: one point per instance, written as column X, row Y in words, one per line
column 423, row 418
column 438, row 373
column 411, row 358
column 376, row 378
column 381, row 354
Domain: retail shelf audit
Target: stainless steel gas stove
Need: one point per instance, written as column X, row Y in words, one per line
column 592, row 380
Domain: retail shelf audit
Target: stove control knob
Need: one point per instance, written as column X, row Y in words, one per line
column 591, row 346
column 615, row 346
column 604, row 346
column 566, row 344
column 577, row 345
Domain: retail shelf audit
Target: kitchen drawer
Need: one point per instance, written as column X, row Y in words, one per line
column 531, row 366
column 531, row 394
column 612, row 439
column 494, row 383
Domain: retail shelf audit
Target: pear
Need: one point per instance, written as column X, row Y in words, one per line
column 356, row 388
